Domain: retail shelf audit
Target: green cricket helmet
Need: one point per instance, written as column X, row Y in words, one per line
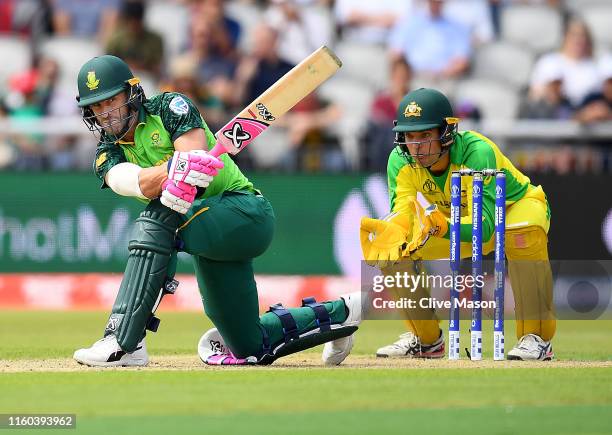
column 424, row 109
column 102, row 78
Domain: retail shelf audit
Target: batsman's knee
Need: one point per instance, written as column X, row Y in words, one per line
column 294, row 340
column 148, row 275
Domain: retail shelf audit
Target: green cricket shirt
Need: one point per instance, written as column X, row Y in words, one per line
column 161, row 120
column 469, row 150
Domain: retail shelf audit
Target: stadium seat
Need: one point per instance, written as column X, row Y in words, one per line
column 599, row 20
column 495, row 100
column 248, row 15
column 354, row 99
column 70, row 53
column 577, row 6
column 444, row 85
column 171, row 21
column 368, row 64
column 16, row 53
column 534, row 26
column 503, row 61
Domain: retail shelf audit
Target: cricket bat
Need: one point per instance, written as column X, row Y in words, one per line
column 276, row 101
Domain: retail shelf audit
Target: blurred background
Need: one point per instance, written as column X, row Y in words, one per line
column 535, row 76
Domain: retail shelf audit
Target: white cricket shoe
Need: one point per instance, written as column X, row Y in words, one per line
column 410, row 346
column 106, row 352
column 532, row 348
column 334, row 352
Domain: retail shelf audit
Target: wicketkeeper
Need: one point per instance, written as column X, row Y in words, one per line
column 156, row 150
column 428, row 148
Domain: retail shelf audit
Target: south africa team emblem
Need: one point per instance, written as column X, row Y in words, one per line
column 155, row 139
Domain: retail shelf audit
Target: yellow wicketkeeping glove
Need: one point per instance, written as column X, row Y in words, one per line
column 427, row 222
column 383, row 241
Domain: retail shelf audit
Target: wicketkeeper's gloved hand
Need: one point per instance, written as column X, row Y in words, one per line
column 428, row 222
column 178, row 195
column 196, row 168
column 383, row 241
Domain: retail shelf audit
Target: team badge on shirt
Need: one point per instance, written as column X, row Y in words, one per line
column 101, row 159
column 155, row 138
column 179, row 106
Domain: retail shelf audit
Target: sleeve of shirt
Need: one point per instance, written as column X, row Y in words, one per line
column 179, row 114
column 401, row 189
column 462, row 41
column 480, row 156
column 106, row 158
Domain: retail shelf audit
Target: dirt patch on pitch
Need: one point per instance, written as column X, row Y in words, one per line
column 304, row 361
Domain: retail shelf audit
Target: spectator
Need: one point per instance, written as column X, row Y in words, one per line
column 183, row 79
column 63, row 155
column 575, row 59
column 86, row 18
column 378, row 138
column 262, row 68
column 227, row 30
column 141, row 48
column 26, row 17
column 313, row 147
column 475, row 15
column 436, row 46
column 301, row 29
column 369, row 21
column 597, row 106
column 496, row 7
column 551, row 103
column 214, row 70
column 24, row 106
column 53, row 99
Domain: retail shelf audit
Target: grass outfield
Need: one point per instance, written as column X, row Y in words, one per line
column 294, row 397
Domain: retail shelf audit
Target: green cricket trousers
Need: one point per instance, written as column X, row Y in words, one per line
column 224, row 233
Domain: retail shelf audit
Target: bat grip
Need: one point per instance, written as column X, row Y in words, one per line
column 217, row 150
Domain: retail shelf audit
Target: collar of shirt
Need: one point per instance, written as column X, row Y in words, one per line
column 142, row 117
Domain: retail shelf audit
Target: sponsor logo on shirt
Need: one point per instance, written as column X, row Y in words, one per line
column 179, row 106
column 101, row 159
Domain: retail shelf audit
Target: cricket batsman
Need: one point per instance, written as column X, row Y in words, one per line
column 428, row 148
column 156, row 150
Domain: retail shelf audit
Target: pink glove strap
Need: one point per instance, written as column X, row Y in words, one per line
column 184, row 162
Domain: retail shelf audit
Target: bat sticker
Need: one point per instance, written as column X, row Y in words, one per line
column 264, row 112
column 237, row 135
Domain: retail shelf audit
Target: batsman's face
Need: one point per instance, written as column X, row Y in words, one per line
column 112, row 113
column 424, row 146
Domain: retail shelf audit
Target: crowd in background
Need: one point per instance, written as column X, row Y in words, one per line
column 222, row 56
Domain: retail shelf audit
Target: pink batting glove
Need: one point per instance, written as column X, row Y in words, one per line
column 178, row 195
column 196, row 168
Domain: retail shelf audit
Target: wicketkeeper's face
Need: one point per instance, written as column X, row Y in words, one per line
column 424, row 146
column 112, row 114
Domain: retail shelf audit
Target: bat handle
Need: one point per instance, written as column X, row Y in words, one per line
column 217, row 150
